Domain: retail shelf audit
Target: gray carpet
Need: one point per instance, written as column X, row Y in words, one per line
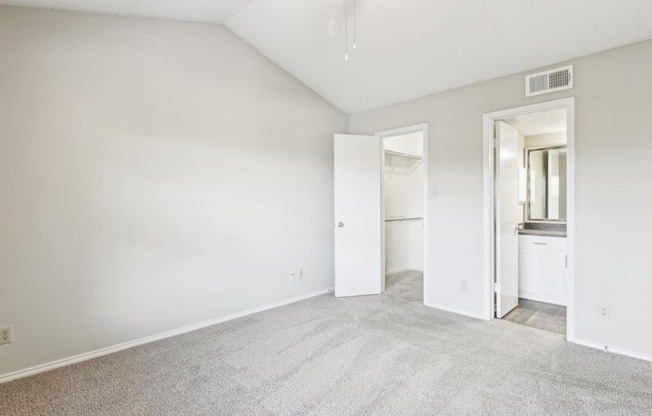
column 374, row 355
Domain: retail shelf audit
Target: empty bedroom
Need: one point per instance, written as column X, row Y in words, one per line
column 325, row 207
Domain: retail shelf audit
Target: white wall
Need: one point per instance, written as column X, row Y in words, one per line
column 613, row 150
column 411, row 143
column 549, row 139
column 397, row 234
column 154, row 174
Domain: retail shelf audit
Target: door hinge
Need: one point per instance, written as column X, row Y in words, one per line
column 496, row 287
column 495, row 142
column 567, row 261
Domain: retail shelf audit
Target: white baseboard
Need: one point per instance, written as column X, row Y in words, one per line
column 540, row 297
column 613, row 349
column 129, row 344
column 403, row 269
column 455, row 310
column 400, row 269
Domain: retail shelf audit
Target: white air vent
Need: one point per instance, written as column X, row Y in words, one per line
column 549, row 81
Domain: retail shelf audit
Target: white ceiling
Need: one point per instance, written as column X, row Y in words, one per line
column 208, row 11
column 544, row 122
column 406, row 49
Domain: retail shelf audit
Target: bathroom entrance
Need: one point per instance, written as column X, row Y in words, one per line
column 530, row 222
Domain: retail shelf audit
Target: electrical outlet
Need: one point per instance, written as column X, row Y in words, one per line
column 6, row 335
column 605, row 312
column 291, row 275
column 464, row 285
column 301, row 273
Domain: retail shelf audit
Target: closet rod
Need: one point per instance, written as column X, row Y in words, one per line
column 409, row 156
column 404, row 219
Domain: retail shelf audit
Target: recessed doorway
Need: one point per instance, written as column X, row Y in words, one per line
column 381, row 211
column 529, row 215
column 404, row 208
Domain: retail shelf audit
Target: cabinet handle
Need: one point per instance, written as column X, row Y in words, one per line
column 541, row 244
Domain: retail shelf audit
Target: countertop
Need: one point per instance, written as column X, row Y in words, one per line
column 543, row 233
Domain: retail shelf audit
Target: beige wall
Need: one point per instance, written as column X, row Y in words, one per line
column 153, row 174
column 613, row 150
column 550, row 139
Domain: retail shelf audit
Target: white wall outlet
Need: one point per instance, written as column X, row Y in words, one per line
column 301, row 273
column 604, row 312
column 291, row 274
column 6, row 335
column 464, row 285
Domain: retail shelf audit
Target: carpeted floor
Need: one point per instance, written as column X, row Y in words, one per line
column 374, row 355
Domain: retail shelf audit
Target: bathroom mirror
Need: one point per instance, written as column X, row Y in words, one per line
column 546, row 183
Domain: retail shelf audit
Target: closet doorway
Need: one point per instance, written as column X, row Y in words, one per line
column 380, row 213
column 404, row 210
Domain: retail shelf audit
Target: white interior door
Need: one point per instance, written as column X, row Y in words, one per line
column 358, row 199
column 507, row 218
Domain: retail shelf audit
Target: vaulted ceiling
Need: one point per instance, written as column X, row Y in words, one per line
column 206, row 11
column 405, row 48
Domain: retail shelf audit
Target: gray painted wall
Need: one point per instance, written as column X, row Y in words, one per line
column 613, row 216
column 154, row 174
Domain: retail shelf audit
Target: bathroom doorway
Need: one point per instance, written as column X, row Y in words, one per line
column 404, row 210
column 529, row 215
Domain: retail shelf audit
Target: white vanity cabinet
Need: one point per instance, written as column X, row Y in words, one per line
column 542, row 268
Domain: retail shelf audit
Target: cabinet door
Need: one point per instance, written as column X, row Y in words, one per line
column 542, row 277
column 542, row 269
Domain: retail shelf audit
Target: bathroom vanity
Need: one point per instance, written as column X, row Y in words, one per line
column 542, row 246
column 542, row 265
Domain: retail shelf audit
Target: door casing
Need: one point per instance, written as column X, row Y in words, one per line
column 423, row 128
column 489, row 232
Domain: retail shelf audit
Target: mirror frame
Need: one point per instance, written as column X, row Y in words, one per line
column 527, row 217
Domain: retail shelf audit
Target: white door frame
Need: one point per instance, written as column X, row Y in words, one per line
column 399, row 132
column 488, row 132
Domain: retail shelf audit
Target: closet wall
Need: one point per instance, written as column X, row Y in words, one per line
column 403, row 203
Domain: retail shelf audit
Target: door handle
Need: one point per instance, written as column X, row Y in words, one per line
column 340, row 224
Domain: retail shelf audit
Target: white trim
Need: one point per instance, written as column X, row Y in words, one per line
column 542, row 297
column 423, row 127
column 613, row 349
column 156, row 337
column 456, row 311
column 488, row 120
column 400, row 269
column 403, row 269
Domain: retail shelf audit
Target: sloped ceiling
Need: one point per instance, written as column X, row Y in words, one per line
column 406, row 48
column 205, row 11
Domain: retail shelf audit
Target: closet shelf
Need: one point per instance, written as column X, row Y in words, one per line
column 407, row 155
column 404, row 219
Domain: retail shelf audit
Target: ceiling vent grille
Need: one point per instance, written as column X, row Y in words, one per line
column 549, row 81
